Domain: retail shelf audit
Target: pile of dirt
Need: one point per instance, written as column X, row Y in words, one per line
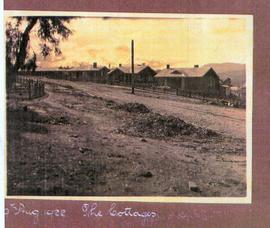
column 128, row 107
column 154, row 125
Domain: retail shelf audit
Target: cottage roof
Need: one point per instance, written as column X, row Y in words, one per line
column 85, row 68
column 113, row 69
column 182, row 72
column 81, row 68
column 127, row 69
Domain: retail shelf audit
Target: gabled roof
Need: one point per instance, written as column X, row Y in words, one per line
column 87, row 68
column 182, row 72
column 113, row 70
column 127, row 69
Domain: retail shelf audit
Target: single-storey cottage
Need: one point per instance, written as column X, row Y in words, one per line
column 93, row 73
column 199, row 80
column 143, row 74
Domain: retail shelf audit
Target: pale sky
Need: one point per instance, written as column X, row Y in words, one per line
column 178, row 42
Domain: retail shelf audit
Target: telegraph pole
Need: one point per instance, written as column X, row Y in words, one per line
column 132, row 66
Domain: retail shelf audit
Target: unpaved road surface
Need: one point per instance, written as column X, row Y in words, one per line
column 227, row 120
column 68, row 143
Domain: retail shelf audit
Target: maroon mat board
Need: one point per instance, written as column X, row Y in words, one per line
column 170, row 214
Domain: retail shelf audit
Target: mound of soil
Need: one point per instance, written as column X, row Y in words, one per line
column 128, row 107
column 154, row 125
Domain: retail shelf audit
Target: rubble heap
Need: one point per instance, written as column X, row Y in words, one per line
column 154, row 125
column 128, row 107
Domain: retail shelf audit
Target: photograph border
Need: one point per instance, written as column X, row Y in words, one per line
column 161, row 199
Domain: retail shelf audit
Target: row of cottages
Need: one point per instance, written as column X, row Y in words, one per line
column 93, row 73
column 143, row 74
column 198, row 80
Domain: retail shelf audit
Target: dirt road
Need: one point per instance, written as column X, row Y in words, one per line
column 227, row 120
column 67, row 143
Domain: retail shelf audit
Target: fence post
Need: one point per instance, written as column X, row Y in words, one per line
column 36, row 89
column 29, row 89
column 39, row 89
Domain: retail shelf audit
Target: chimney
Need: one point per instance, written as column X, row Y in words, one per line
column 120, row 65
column 94, row 65
column 196, row 66
column 168, row 66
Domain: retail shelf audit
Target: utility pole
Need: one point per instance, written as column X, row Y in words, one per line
column 132, row 66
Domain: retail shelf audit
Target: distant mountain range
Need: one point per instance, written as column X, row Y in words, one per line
column 235, row 71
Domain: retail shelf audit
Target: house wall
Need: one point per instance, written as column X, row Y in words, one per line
column 173, row 83
column 117, row 76
column 146, row 76
column 211, row 83
column 224, row 91
column 94, row 75
column 206, row 85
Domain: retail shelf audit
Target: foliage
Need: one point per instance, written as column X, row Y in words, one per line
column 13, row 37
column 49, row 30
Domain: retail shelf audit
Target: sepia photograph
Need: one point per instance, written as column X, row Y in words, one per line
column 128, row 105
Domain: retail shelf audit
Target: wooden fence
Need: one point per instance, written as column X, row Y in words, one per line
column 35, row 88
column 154, row 88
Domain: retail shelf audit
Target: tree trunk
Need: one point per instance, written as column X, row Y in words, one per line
column 21, row 55
column 20, row 58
